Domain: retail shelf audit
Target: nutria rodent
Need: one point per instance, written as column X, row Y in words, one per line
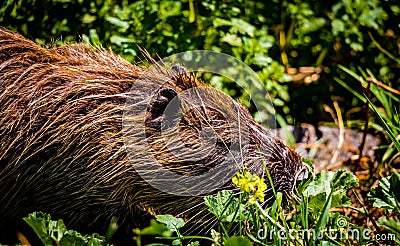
column 64, row 150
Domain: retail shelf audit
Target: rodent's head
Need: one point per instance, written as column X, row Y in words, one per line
column 197, row 138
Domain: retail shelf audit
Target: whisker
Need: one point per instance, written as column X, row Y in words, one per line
column 194, row 226
column 191, row 208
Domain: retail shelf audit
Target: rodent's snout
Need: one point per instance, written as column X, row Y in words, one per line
column 302, row 174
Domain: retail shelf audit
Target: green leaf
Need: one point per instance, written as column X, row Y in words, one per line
column 73, row 238
column 386, row 195
column 155, row 228
column 243, row 26
column 53, row 232
column 232, row 39
column 327, row 181
column 261, row 59
column 87, row 18
column 340, row 199
column 238, row 241
column 221, row 22
column 176, row 242
column 195, row 243
column 325, row 184
column 118, row 40
column 170, row 8
column 344, row 180
column 119, row 23
column 56, row 229
column 337, row 27
column 395, row 183
column 39, row 222
column 171, row 222
column 226, row 207
column 307, row 161
column 322, row 183
column 276, row 206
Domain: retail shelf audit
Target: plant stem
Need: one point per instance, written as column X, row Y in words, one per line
column 382, row 49
column 366, row 115
column 367, row 213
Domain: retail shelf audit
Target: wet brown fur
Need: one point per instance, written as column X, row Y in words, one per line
column 62, row 144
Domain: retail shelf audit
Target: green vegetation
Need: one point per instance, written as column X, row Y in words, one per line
column 243, row 221
column 54, row 232
column 309, row 55
column 294, row 46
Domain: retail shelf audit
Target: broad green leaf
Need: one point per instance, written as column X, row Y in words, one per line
column 395, row 183
column 344, row 180
column 226, row 207
column 322, row 183
column 155, row 228
column 386, row 195
column 333, row 184
column 53, row 232
column 171, row 222
column 73, row 238
column 327, row 181
column 39, row 222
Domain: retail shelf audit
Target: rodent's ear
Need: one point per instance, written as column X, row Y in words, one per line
column 179, row 70
column 183, row 78
column 160, row 102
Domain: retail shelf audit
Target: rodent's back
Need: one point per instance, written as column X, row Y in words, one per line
column 60, row 124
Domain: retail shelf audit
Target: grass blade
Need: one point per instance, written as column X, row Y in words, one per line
column 323, row 218
column 389, row 131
